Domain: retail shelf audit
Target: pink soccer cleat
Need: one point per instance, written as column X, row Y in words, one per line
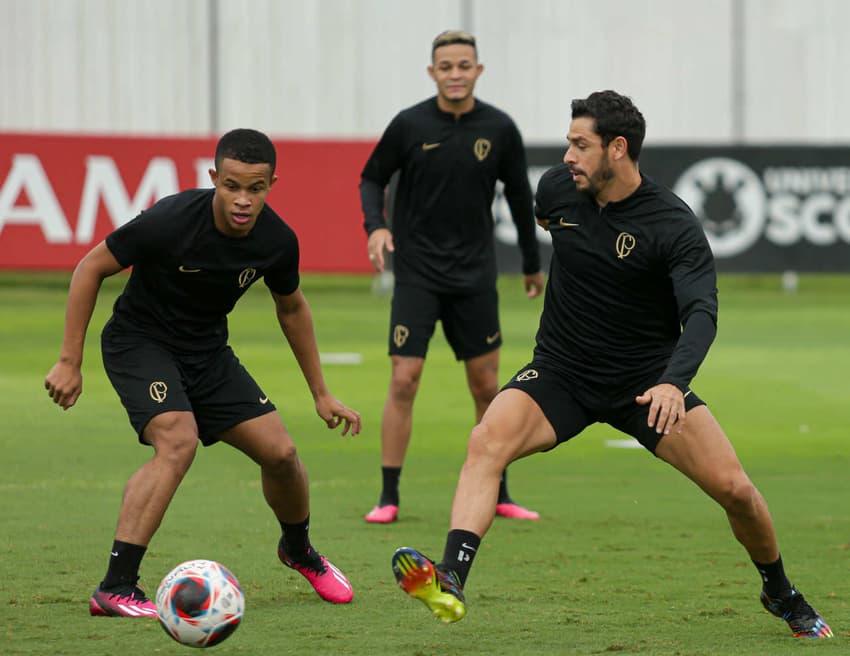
column 514, row 511
column 127, row 601
column 328, row 582
column 382, row 514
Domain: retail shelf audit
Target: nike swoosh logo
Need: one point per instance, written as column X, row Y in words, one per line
column 431, row 146
column 114, row 553
column 466, row 546
column 562, row 221
column 264, row 399
column 490, row 339
column 183, row 269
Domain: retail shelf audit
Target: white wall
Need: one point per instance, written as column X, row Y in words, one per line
column 342, row 68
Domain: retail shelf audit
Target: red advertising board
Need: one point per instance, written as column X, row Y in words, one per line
column 61, row 194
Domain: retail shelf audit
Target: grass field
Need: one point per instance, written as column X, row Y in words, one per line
column 628, row 556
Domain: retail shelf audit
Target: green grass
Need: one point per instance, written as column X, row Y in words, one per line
column 628, row 556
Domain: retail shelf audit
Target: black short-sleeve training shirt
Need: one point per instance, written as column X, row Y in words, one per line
column 187, row 276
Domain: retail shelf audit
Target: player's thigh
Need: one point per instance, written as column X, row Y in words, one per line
column 471, row 323
column 702, row 452
column 482, row 373
column 513, row 426
column 264, row 439
column 224, row 394
column 554, row 399
column 146, row 377
column 413, row 316
column 628, row 416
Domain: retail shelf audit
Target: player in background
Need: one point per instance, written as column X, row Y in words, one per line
column 194, row 254
column 629, row 315
column 450, row 151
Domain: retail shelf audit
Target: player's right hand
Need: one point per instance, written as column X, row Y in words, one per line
column 64, row 384
column 379, row 240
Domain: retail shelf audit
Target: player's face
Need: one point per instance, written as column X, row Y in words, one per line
column 240, row 193
column 455, row 69
column 587, row 157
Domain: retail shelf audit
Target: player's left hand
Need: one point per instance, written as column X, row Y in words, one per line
column 534, row 283
column 335, row 413
column 666, row 407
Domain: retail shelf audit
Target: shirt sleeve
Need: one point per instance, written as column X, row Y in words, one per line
column 134, row 240
column 385, row 160
column 695, row 288
column 283, row 278
column 514, row 174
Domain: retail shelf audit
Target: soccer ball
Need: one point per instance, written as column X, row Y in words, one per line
column 200, row 603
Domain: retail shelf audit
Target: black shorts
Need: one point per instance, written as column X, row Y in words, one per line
column 470, row 321
column 571, row 408
column 151, row 379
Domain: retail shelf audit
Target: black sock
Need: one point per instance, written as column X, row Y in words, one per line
column 776, row 584
column 124, row 562
column 389, row 492
column 296, row 539
column 504, row 497
column 461, row 547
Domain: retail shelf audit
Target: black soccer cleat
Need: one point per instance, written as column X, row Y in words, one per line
column 801, row 617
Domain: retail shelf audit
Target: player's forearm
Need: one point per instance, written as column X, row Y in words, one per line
column 691, row 349
column 297, row 326
column 372, row 202
column 82, row 297
column 523, row 219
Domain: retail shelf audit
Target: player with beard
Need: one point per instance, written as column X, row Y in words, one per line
column 629, row 314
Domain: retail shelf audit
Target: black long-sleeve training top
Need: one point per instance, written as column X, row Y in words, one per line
column 632, row 285
column 442, row 221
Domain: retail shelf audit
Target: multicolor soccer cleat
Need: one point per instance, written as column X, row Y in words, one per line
column 513, row 510
column 382, row 514
column 435, row 587
column 327, row 580
column 801, row 617
column 126, row 601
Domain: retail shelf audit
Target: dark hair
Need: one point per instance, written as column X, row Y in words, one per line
column 245, row 145
column 450, row 37
column 615, row 116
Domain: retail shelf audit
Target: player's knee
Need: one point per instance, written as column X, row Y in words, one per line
column 404, row 386
column 739, row 496
column 283, row 463
column 177, row 449
column 483, row 392
column 485, row 445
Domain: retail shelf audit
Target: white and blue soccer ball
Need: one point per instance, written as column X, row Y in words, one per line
column 200, row 603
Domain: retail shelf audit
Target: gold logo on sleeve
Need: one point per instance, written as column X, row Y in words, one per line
column 400, row 335
column 625, row 244
column 183, row 269
column 528, row 374
column 247, row 276
column 158, row 391
column 481, row 148
column 431, row 146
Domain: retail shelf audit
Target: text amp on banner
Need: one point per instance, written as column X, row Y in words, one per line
column 60, row 195
column 764, row 208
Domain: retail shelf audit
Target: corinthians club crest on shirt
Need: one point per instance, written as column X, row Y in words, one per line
column 528, row 374
column 246, row 277
column 481, row 148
